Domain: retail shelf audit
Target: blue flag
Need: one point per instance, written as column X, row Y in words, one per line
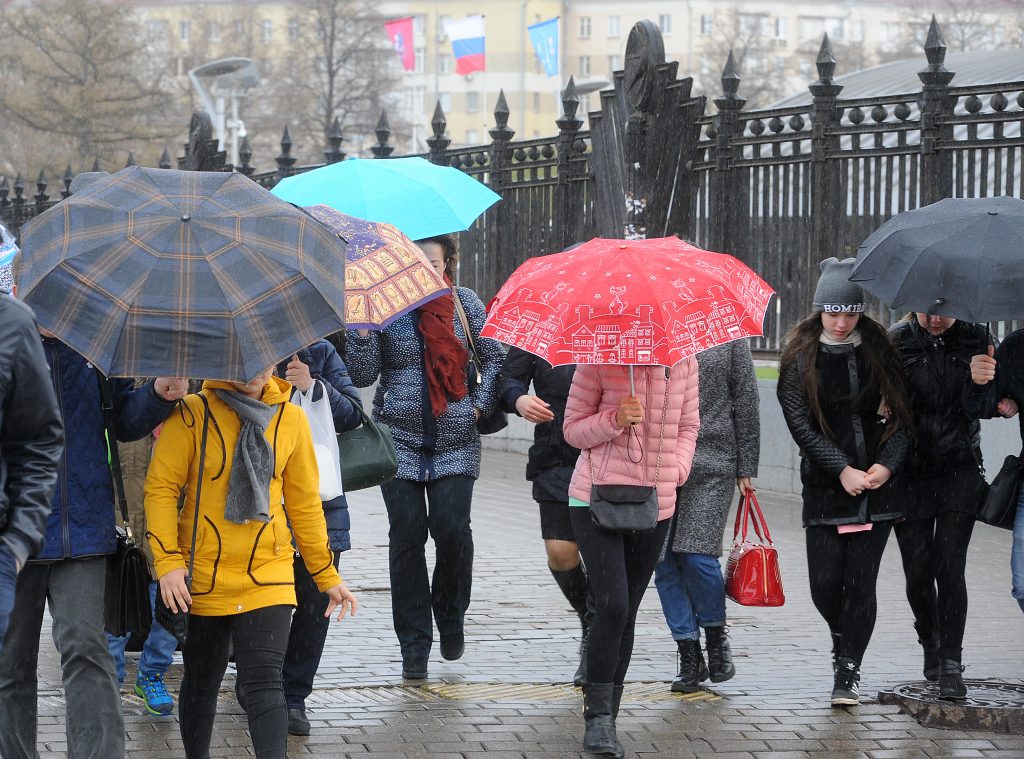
column 544, row 36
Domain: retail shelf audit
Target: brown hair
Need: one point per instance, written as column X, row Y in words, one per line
column 801, row 347
column 449, row 244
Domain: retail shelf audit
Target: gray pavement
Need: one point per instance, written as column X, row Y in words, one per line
column 507, row 697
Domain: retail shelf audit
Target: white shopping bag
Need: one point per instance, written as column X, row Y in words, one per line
column 325, row 440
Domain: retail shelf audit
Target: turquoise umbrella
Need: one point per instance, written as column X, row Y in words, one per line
column 418, row 197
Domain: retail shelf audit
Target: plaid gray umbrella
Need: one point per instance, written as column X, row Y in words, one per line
column 154, row 272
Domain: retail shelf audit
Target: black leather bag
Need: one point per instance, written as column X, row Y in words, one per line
column 176, row 622
column 999, row 506
column 126, row 609
column 624, row 508
column 497, row 420
column 368, row 455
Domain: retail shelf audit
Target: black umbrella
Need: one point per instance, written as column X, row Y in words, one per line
column 960, row 257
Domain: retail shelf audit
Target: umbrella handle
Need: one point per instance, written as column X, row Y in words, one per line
column 632, row 386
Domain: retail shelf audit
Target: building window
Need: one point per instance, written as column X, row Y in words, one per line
column 780, row 28
column 472, row 102
column 614, row 62
column 266, row 30
column 421, row 54
column 584, row 65
column 419, row 24
column 613, row 26
column 584, row 27
column 293, row 28
column 445, row 99
column 157, row 31
column 444, row 64
column 857, row 31
column 472, row 137
column 417, row 97
column 239, row 28
column 665, row 23
column 536, row 102
column 185, row 31
column 214, row 31
column 442, row 22
column 705, row 24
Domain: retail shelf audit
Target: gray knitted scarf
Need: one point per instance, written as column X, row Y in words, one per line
column 253, row 462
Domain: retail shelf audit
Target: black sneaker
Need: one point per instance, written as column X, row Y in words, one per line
column 414, row 667
column 846, row 688
column 297, row 722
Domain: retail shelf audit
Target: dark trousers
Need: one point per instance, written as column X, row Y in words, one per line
column 258, row 638
column 441, row 508
column 8, row 582
column 619, row 568
column 934, row 554
column 843, row 570
column 306, row 638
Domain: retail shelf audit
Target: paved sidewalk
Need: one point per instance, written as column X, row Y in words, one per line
column 507, row 697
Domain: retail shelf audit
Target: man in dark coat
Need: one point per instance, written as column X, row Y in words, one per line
column 31, row 441
column 70, row 570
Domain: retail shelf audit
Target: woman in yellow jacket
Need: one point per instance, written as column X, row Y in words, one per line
column 259, row 475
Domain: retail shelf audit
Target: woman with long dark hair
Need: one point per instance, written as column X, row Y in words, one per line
column 842, row 393
column 425, row 396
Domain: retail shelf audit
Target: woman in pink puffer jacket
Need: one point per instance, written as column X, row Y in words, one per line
column 620, row 436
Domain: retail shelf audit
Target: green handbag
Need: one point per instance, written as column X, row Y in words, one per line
column 367, row 455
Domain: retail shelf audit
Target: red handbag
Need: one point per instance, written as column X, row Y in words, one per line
column 752, row 576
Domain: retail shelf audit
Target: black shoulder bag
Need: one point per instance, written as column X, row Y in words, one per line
column 126, row 608
column 497, row 420
column 176, row 622
column 628, row 508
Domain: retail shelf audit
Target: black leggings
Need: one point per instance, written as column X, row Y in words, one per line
column 843, row 570
column 259, row 639
column 935, row 553
column 619, row 568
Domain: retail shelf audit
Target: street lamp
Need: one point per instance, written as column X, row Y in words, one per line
column 216, row 81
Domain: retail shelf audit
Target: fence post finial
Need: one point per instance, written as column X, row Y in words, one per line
column 825, row 62
column 5, row 190
column 501, row 114
column 165, row 159
column 569, row 193
column 245, row 156
column 438, row 143
column 41, row 184
column 383, row 132
column 285, row 161
column 96, row 164
column 131, row 160
column 67, row 179
column 334, row 153
column 935, row 103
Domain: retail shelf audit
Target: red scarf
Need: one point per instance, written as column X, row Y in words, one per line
column 444, row 355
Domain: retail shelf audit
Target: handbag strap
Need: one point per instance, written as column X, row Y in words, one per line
column 661, row 437
column 749, row 511
column 107, row 405
column 470, row 344
column 199, row 490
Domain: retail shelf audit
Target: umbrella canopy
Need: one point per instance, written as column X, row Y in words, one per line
column 154, row 272
column 416, row 196
column 386, row 274
column 960, row 257
column 638, row 302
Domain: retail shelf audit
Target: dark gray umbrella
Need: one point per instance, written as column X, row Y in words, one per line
column 960, row 257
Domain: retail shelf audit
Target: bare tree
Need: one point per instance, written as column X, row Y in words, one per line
column 76, row 84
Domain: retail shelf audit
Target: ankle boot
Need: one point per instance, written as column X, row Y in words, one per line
column 951, row 680
column 719, row 656
column 846, row 686
column 586, row 620
column 692, row 669
column 836, row 642
column 599, row 735
column 930, row 643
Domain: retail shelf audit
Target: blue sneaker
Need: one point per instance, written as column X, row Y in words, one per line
column 152, row 690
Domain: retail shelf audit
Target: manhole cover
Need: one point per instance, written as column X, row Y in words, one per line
column 994, row 706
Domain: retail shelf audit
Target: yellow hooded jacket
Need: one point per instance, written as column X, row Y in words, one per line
column 238, row 567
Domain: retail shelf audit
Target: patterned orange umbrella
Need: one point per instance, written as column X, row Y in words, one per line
column 386, row 274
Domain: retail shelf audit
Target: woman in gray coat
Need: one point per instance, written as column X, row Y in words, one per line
column 689, row 578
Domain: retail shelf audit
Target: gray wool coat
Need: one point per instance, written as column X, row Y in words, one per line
column 728, row 447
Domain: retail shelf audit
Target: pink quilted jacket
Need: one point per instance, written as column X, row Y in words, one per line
column 590, row 426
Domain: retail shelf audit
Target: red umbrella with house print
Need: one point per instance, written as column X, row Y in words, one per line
column 635, row 302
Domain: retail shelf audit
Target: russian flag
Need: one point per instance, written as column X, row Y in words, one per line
column 467, row 36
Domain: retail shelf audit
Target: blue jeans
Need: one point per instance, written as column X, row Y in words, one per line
column 8, row 582
column 1017, row 553
column 441, row 508
column 157, row 652
column 692, row 593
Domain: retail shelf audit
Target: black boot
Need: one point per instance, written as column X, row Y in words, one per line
column 599, row 735
column 951, row 679
column 692, row 669
column 930, row 643
column 836, row 640
column 846, row 688
column 574, row 586
column 616, row 700
column 719, row 656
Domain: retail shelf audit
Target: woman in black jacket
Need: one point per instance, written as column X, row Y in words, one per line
column 549, row 468
column 943, row 482
column 841, row 391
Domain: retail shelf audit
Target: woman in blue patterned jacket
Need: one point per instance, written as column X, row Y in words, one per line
column 425, row 396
